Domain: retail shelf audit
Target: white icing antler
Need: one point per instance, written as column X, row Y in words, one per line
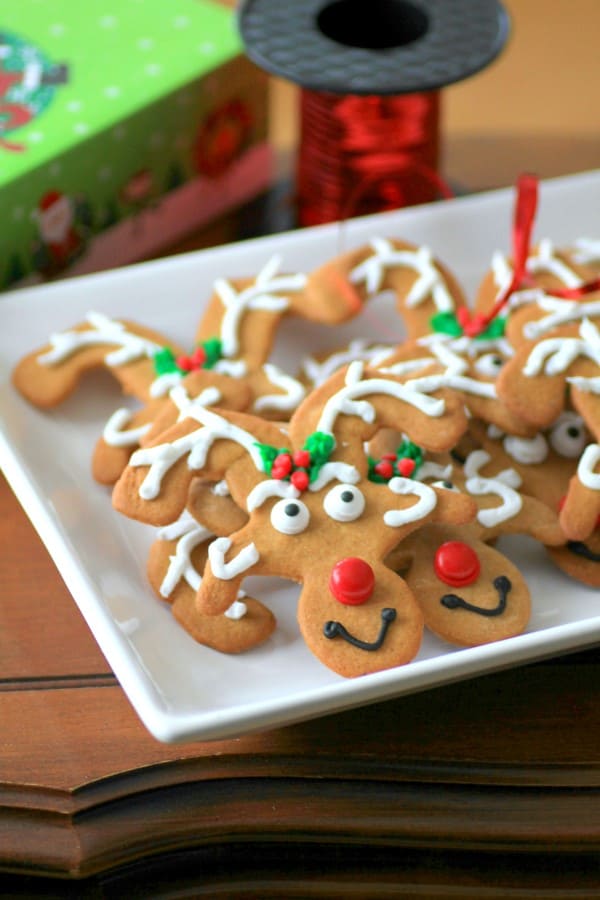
column 426, row 503
column 586, row 473
column 318, row 372
column 347, row 401
column 103, row 331
column 286, row 402
column 163, row 457
column 430, row 283
column 560, row 313
column 545, row 260
column 264, row 294
column 503, row 484
column 189, row 534
column 555, row 355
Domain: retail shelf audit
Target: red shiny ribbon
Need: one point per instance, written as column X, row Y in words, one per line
column 361, row 155
column 523, row 220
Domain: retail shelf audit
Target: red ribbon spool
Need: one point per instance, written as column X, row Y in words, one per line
column 360, row 155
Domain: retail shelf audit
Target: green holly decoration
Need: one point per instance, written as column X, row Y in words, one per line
column 446, row 323
column 164, row 361
column 213, row 347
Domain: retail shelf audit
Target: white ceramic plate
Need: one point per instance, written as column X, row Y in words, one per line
column 183, row 691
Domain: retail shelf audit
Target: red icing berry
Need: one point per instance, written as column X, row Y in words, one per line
column 406, row 466
column 384, row 468
column 184, row 363
column 301, row 459
column 456, row 564
column 299, row 479
column 352, row 581
column 282, row 465
column 391, row 456
column 198, row 357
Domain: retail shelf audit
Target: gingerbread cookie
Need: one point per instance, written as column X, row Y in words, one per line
column 177, row 559
column 314, row 515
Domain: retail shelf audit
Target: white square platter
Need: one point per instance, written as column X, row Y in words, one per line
column 181, row 690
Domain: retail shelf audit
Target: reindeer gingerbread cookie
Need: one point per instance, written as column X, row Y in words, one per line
column 314, row 516
column 233, row 341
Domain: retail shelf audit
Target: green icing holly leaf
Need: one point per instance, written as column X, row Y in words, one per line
column 412, row 451
column 213, row 347
column 446, row 323
column 320, row 446
column 268, row 455
column 164, row 361
column 494, row 330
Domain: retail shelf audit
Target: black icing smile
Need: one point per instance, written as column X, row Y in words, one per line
column 334, row 629
column 502, row 585
column 581, row 549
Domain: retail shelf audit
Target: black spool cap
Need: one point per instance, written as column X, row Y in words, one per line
column 373, row 46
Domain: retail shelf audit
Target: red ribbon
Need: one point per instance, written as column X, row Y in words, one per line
column 524, row 218
column 361, row 155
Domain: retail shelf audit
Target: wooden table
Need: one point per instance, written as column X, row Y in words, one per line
column 493, row 782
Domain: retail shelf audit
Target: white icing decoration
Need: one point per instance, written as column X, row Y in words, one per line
column 247, row 557
column 426, row 503
column 589, row 385
column 341, row 471
column 262, row 294
column 555, row 355
column 235, row 368
column 318, row 372
column 545, row 260
column 341, row 510
column 161, row 386
column 220, row 488
column 271, row 487
column 562, row 442
column 282, row 521
column 430, row 469
column 180, row 564
column 430, row 282
column 406, row 366
column 103, row 331
column 294, row 391
column 587, row 464
column 503, row 485
column 494, row 432
column 346, row 399
column 209, row 396
column 561, row 312
column 189, row 534
column 236, row 611
column 162, row 457
column 527, row 451
column 116, row 434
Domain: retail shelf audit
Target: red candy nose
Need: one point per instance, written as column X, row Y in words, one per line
column 352, row 581
column 456, row 563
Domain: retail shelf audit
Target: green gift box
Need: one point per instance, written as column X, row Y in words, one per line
column 124, row 125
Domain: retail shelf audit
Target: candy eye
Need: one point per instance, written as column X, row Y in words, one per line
column 290, row 516
column 569, row 436
column 344, row 503
column 489, row 364
column 447, row 485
